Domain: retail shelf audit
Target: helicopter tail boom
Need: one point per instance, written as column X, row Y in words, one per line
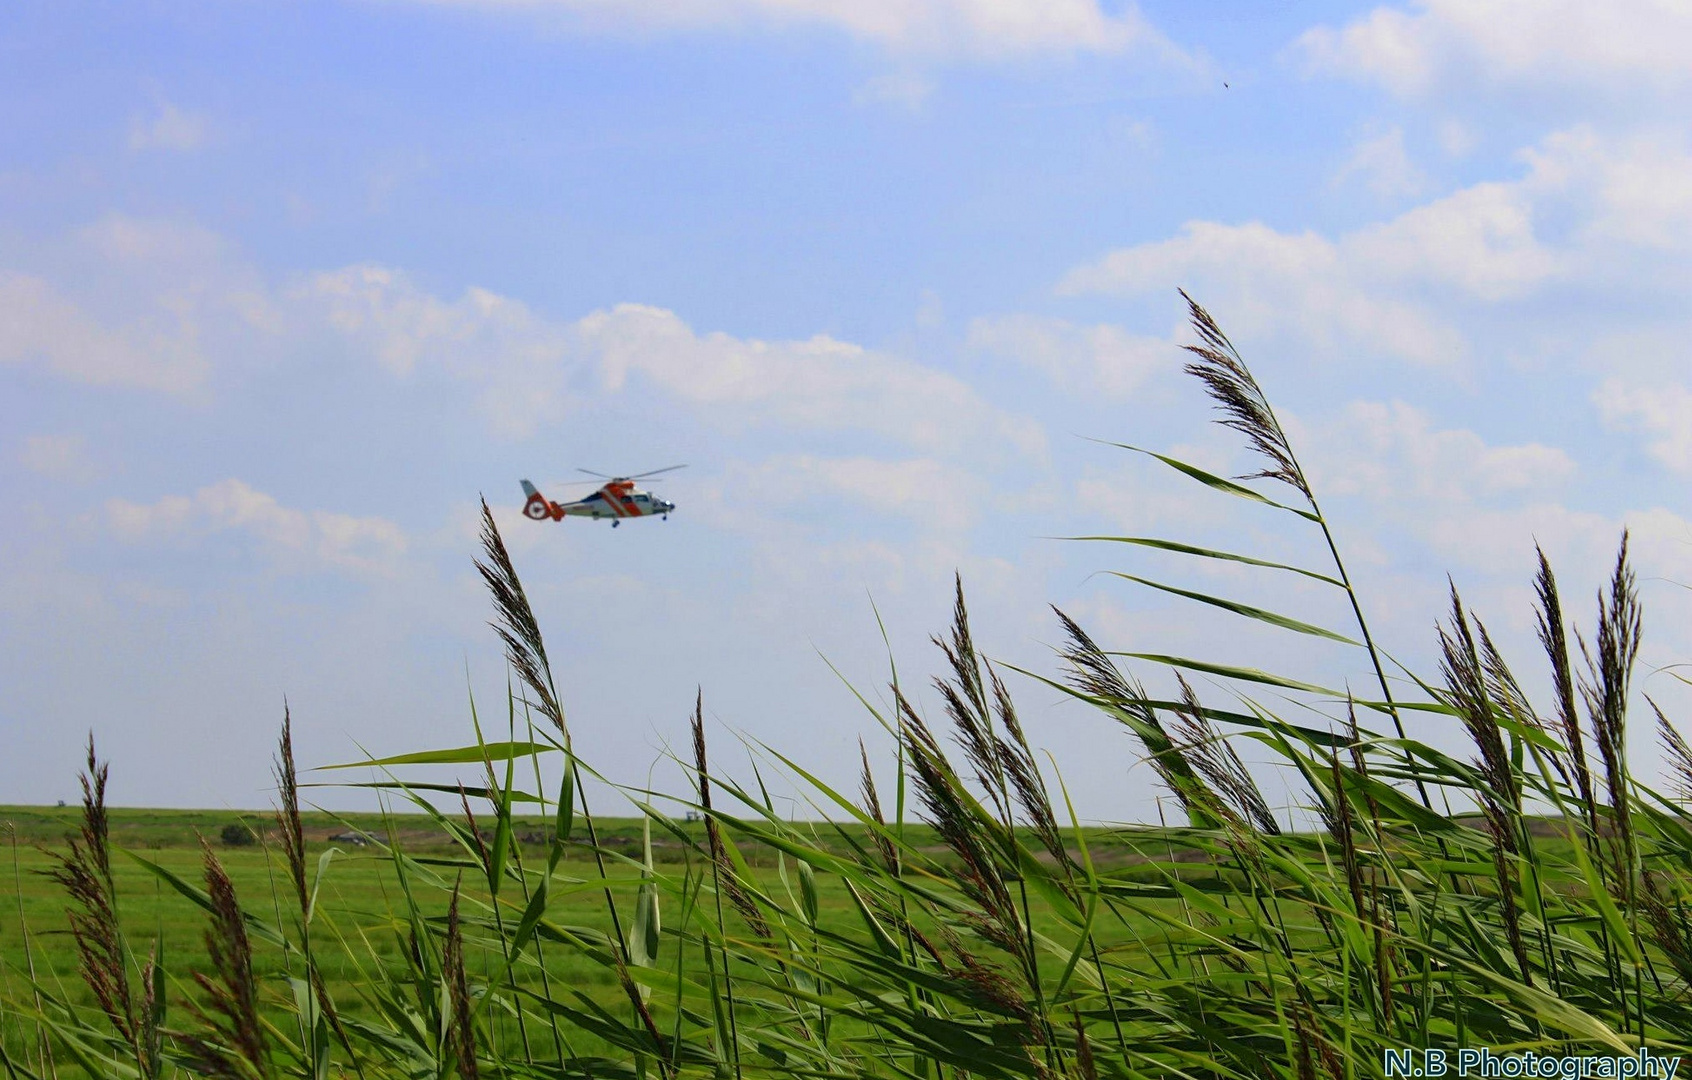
column 538, row 507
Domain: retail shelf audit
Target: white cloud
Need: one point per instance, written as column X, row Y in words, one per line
column 58, row 457
column 40, row 325
column 1381, row 164
column 1132, row 133
column 315, row 539
column 1474, row 505
column 524, row 362
column 1125, row 500
column 1587, row 210
column 1100, row 358
column 1642, row 43
column 1663, row 414
column 1270, row 282
column 1501, row 540
column 168, row 128
column 904, row 89
column 405, row 325
column 176, row 267
column 1455, row 137
column 1391, row 451
column 184, row 249
column 930, row 491
column 1479, row 240
column 987, row 28
column 533, row 368
column 820, row 382
column 133, row 302
column 1634, row 190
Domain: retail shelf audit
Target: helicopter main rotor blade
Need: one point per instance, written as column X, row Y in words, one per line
column 655, row 472
column 601, row 475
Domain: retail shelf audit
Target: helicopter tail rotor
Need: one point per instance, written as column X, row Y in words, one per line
column 538, row 507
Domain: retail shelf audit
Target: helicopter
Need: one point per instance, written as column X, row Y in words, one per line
column 617, row 498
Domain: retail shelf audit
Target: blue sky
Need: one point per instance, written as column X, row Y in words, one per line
column 284, row 287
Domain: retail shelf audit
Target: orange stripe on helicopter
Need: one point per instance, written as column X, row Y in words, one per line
column 614, row 493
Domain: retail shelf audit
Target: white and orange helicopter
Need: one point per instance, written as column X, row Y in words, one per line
column 617, row 498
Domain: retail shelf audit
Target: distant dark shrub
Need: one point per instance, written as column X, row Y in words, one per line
column 236, row 835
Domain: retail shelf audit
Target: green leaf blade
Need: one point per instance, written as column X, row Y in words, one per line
column 1285, row 622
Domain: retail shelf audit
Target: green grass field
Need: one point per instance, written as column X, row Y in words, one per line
column 357, row 893
column 358, row 898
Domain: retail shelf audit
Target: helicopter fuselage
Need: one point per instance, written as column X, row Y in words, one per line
column 617, row 500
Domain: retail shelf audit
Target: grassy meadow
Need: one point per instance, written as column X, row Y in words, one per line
column 1530, row 895
column 356, row 899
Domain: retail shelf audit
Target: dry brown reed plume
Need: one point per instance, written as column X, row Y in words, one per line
column 462, row 1030
column 1468, row 691
column 517, row 626
column 152, row 1016
column 1308, row 1037
column 1237, row 394
column 950, row 812
column 1678, row 752
column 85, row 873
column 1092, row 673
column 288, row 815
column 983, row 837
column 1336, row 816
column 234, row 1045
column 963, row 825
column 1024, row 772
column 984, row 985
column 1604, row 688
column 872, row 804
column 1085, row 1067
column 1467, row 684
column 1004, row 767
column 1669, row 926
column 1213, row 757
column 966, row 704
column 1381, row 915
column 728, row 878
column 1553, row 637
column 473, row 832
column 702, row 777
column 1506, row 692
column 292, row 831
